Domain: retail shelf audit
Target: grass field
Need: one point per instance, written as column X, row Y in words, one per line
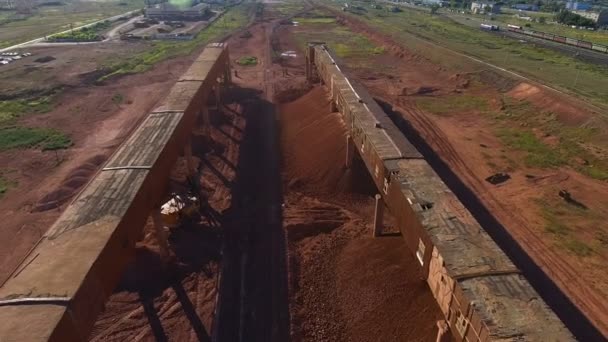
column 419, row 31
column 10, row 110
column 51, row 19
column 344, row 42
column 26, row 137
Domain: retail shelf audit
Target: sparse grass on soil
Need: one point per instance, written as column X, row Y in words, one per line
column 452, row 104
column 568, row 149
column 415, row 30
column 12, row 109
column 538, row 153
column 556, row 214
column 234, row 18
column 26, row 137
column 322, row 20
column 341, row 40
column 286, row 8
column 51, row 19
column 247, row 61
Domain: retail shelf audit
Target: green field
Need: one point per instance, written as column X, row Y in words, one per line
column 47, row 20
column 25, row 137
column 437, row 38
column 344, row 42
column 85, row 34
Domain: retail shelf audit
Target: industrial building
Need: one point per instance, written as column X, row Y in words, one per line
column 577, row 6
column 167, row 11
column 526, row 7
column 484, row 7
column 600, row 18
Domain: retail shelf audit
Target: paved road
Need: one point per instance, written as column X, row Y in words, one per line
column 41, row 39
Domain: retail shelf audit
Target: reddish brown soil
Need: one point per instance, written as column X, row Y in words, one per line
column 344, row 284
column 319, row 162
column 464, row 140
column 46, row 181
column 180, row 305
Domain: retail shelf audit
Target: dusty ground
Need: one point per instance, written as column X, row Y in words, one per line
column 345, row 285
column 342, row 284
column 46, row 181
column 339, row 277
column 466, row 140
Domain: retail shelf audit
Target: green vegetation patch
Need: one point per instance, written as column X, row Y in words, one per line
column 247, row 61
column 538, row 153
column 12, row 109
column 322, row 20
column 26, row 137
column 344, row 42
column 447, row 105
column 578, row 247
column 567, row 148
column 555, row 214
column 86, row 34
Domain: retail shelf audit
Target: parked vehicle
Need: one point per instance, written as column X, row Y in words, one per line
column 488, row 27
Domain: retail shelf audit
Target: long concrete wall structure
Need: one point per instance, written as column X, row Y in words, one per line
column 62, row 285
column 482, row 294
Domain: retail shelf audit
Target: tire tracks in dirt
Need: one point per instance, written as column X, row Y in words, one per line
column 555, row 279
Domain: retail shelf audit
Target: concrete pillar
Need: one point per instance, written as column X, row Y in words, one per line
column 227, row 75
column 333, row 107
column 443, row 332
column 350, row 150
column 378, row 216
column 161, row 235
column 188, row 156
column 218, row 99
column 206, row 120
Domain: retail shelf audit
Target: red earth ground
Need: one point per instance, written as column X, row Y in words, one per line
column 465, row 139
column 46, row 181
column 345, row 285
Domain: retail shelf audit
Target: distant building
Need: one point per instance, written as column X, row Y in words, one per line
column 600, row 18
column 484, row 7
column 167, row 11
column 577, row 6
column 526, row 7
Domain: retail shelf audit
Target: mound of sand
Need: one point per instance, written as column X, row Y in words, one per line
column 314, row 142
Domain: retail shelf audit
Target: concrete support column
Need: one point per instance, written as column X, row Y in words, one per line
column 227, row 75
column 206, row 119
column 218, row 99
column 161, row 235
column 378, row 216
column 188, row 156
column 443, row 332
column 333, row 107
column 350, row 150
